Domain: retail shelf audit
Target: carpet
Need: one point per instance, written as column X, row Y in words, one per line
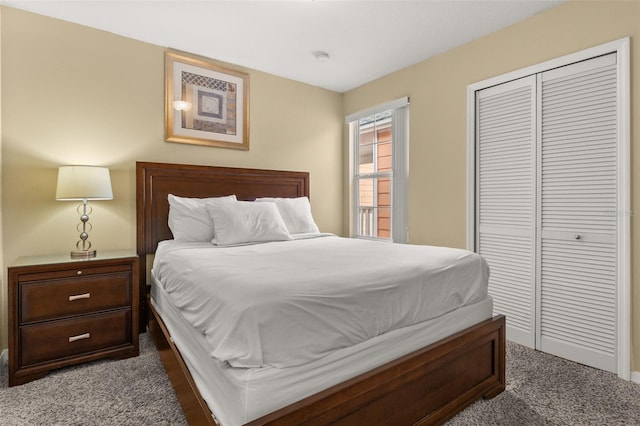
column 133, row 391
column 541, row 390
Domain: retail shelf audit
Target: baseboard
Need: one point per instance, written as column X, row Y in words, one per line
column 635, row 377
column 3, row 358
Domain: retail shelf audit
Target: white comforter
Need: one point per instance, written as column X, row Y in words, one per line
column 286, row 303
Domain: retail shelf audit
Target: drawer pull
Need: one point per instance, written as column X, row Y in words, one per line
column 79, row 273
column 79, row 337
column 79, row 296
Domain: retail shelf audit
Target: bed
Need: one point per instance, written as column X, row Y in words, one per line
column 442, row 373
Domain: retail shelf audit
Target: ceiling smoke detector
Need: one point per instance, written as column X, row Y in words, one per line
column 321, row 56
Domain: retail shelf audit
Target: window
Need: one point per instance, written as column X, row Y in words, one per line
column 379, row 142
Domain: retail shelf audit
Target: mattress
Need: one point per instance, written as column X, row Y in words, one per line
column 289, row 303
column 239, row 395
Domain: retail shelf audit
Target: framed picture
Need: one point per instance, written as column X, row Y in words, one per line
column 205, row 104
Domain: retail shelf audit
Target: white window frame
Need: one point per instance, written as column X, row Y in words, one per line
column 400, row 167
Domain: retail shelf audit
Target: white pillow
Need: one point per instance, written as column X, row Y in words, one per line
column 296, row 213
column 245, row 222
column 189, row 219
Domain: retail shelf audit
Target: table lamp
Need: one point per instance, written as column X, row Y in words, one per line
column 83, row 183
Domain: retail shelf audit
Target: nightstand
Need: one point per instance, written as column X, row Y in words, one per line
column 65, row 311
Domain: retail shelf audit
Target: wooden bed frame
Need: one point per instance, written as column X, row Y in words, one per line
column 425, row 387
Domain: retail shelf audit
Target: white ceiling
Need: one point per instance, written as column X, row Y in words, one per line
column 365, row 39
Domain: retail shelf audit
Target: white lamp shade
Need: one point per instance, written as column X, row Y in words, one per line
column 84, row 182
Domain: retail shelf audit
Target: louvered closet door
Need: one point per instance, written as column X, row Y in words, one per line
column 577, row 205
column 505, row 227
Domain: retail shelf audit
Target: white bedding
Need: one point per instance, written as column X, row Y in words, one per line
column 287, row 303
column 239, row 395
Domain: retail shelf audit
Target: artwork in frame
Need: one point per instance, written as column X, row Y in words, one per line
column 205, row 104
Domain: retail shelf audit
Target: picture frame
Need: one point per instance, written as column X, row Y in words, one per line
column 205, row 103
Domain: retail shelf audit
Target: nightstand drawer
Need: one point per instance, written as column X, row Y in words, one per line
column 42, row 300
column 62, row 339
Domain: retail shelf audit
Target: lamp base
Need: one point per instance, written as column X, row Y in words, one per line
column 83, row 254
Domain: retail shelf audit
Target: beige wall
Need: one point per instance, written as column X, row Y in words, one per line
column 437, row 89
column 75, row 95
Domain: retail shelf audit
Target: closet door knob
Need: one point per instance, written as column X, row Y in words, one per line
column 578, row 236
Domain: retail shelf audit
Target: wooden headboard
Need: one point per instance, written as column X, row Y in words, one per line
column 155, row 181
